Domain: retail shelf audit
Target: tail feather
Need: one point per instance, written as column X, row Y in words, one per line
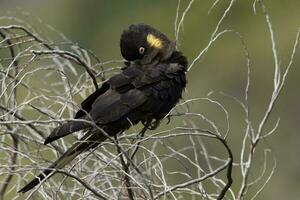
column 65, row 129
column 88, row 141
column 37, row 180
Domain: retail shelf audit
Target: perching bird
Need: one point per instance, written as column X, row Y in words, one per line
column 145, row 91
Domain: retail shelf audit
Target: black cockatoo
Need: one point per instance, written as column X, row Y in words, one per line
column 146, row 90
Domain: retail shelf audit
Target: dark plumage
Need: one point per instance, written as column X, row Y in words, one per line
column 146, row 90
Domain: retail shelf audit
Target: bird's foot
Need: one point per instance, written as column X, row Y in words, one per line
column 151, row 125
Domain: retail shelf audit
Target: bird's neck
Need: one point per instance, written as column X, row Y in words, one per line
column 177, row 57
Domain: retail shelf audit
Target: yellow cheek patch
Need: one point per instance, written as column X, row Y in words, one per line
column 154, row 41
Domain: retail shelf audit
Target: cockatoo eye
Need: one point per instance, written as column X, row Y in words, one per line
column 141, row 50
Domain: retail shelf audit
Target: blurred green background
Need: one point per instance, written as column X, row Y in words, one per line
column 97, row 25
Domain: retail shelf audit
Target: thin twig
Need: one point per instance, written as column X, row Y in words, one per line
column 127, row 172
column 15, row 139
column 86, row 185
column 39, row 40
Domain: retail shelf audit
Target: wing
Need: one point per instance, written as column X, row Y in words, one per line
column 86, row 105
column 114, row 99
column 121, row 82
column 74, row 126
